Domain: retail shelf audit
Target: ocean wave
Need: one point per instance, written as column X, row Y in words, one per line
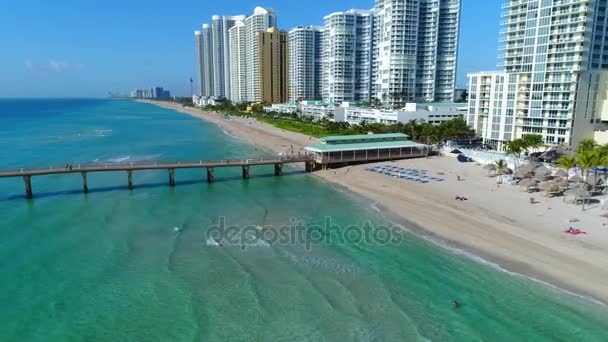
column 231, row 135
column 497, row 267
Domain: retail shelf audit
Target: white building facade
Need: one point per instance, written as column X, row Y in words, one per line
column 238, row 62
column 546, row 45
column 347, row 59
column 305, row 63
column 415, row 50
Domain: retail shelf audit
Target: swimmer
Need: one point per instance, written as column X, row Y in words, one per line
column 455, row 304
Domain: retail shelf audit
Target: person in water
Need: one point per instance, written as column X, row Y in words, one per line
column 455, row 304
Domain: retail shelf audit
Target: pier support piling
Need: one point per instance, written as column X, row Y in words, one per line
column 172, row 177
column 210, row 176
column 278, row 169
column 28, row 186
column 130, row 178
column 309, row 166
column 85, row 185
column 245, row 172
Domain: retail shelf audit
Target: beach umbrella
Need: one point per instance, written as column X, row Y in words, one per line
column 562, row 182
column 526, row 168
column 549, row 186
column 508, row 171
column 575, row 179
column 542, row 170
column 523, row 174
column 527, row 182
column 541, row 177
column 490, row 167
column 561, row 173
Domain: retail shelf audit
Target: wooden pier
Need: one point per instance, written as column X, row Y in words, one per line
column 244, row 164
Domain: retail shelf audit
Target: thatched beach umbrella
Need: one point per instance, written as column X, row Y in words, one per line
column 527, row 183
column 562, row 182
column 490, row 167
column 526, row 168
column 561, row 173
column 523, row 174
column 575, row 179
column 542, row 170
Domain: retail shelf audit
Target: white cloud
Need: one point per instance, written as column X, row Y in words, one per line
column 51, row 66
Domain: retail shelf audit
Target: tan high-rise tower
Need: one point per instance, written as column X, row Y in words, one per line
column 273, row 65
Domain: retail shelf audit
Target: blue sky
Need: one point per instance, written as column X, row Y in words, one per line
column 83, row 48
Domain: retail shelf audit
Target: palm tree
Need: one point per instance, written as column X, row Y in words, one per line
column 566, row 162
column 515, row 149
column 586, row 145
column 501, row 166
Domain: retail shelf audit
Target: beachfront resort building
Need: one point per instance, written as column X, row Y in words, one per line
column 415, row 50
column 551, row 50
column 305, row 63
column 347, row 56
column 273, row 65
column 349, row 149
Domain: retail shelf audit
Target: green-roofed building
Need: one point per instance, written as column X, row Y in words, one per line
column 348, row 149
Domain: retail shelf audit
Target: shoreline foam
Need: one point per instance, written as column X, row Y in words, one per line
column 492, row 237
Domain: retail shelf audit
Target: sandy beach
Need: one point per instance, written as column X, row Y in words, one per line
column 497, row 222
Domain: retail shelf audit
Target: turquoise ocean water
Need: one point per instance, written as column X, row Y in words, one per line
column 111, row 265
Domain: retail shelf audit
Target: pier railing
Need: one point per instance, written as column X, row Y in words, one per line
column 84, row 169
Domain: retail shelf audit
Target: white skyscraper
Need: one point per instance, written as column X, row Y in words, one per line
column 204, row 61
column 347, row 48
column 238, row 63
column 546, row 45
column 221, row 52
column 415, row 49
column 198, row 49
column 305, row 63
column 261, row 20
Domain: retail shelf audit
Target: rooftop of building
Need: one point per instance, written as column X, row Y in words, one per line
column 373, row 145
column 363, row 138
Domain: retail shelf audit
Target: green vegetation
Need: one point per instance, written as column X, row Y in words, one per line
column 417, row 130
column 589, row 155
column 521, row 146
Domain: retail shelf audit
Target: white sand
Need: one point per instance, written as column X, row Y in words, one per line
column 497, row 222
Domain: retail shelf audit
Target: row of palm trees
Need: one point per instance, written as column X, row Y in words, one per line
column 589, row 156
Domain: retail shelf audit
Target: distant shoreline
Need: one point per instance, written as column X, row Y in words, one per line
column 506, row 236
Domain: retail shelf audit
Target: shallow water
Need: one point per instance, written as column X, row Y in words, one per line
column 149, row 264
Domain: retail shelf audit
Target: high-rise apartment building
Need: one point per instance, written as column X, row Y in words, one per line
column 305, row 63
column 273, row 65
column 545, row 45
column 221, row 52
column 347, row 56
column 213, row 56
column 415, row 50
column 261, row 20
column 238, row 63
column 204, row 61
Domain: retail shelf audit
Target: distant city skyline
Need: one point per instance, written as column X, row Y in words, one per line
column 111, row 52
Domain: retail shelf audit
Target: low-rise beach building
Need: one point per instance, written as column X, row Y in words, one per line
column 350, row 149
column 433, row 113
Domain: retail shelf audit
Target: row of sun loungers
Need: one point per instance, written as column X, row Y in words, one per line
column 409, row 174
